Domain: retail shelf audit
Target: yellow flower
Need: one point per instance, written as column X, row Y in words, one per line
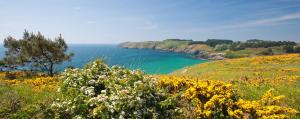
column 208, row 96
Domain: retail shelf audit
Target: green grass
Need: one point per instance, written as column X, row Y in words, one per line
column 236, row 70
column 251, row 52
column 248, row 52
column 173, row 44
column 20, row 101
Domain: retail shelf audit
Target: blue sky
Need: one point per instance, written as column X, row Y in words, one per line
column 115, row 21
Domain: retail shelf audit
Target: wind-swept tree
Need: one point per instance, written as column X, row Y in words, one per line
column 35, row 52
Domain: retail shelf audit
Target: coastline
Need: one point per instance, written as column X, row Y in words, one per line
column 192, row 50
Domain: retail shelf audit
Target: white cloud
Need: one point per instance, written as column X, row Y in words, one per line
column 270, row 21
column 254, row 23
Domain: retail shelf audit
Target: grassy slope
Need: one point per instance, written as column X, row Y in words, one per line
column 173, row 44
column 202, row 47
column 251, row 52
column 254, row 76
column 185, row 46
column 26, row 97
column 169, row 45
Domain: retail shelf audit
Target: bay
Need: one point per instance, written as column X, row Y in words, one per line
column 150, row 61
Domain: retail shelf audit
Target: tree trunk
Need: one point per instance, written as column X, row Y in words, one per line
column 51, row 69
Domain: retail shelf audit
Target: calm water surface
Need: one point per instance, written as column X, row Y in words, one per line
column 150, row 61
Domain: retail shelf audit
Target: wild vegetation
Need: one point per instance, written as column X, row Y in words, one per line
column 100, row 91
column 218, row 49
column 203, row 98
column 26, row 97
column 34, row 52
column 254, row 76
column 233, row 88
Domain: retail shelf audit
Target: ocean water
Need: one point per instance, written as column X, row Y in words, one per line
column 150, row 61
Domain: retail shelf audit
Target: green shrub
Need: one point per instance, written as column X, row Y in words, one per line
column 10, row 103
column 297, row 49
column 269, row 51
column 10, row 75
column 288, row 48
column 98, row 91
column 20, row 101
column 231, row 55
column 222, row 47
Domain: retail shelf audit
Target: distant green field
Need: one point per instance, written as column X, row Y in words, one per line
column 251, row 52
column 174, row 44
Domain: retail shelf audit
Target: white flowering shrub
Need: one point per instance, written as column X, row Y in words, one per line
column 98, row 91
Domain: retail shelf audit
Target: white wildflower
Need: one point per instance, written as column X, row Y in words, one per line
column 122, row 113
column 103, row 91
column 89, row 91
column 91, row 82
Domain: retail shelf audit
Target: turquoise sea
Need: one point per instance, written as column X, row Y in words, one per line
column 150, row 61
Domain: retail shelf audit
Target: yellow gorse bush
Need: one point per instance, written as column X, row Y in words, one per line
column 210, row 98
column 38, row 84
column 43, row 83
column 273, row 59
column 279, row 59
column 268, row 106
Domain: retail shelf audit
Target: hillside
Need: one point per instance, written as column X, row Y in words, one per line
column 219, row 49
column 198, row 50
column 238, row 88
column 253, row 76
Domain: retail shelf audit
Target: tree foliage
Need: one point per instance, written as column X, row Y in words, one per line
column 35, row 52
column 222, row 47
column 255, row 43
column 214, row 42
